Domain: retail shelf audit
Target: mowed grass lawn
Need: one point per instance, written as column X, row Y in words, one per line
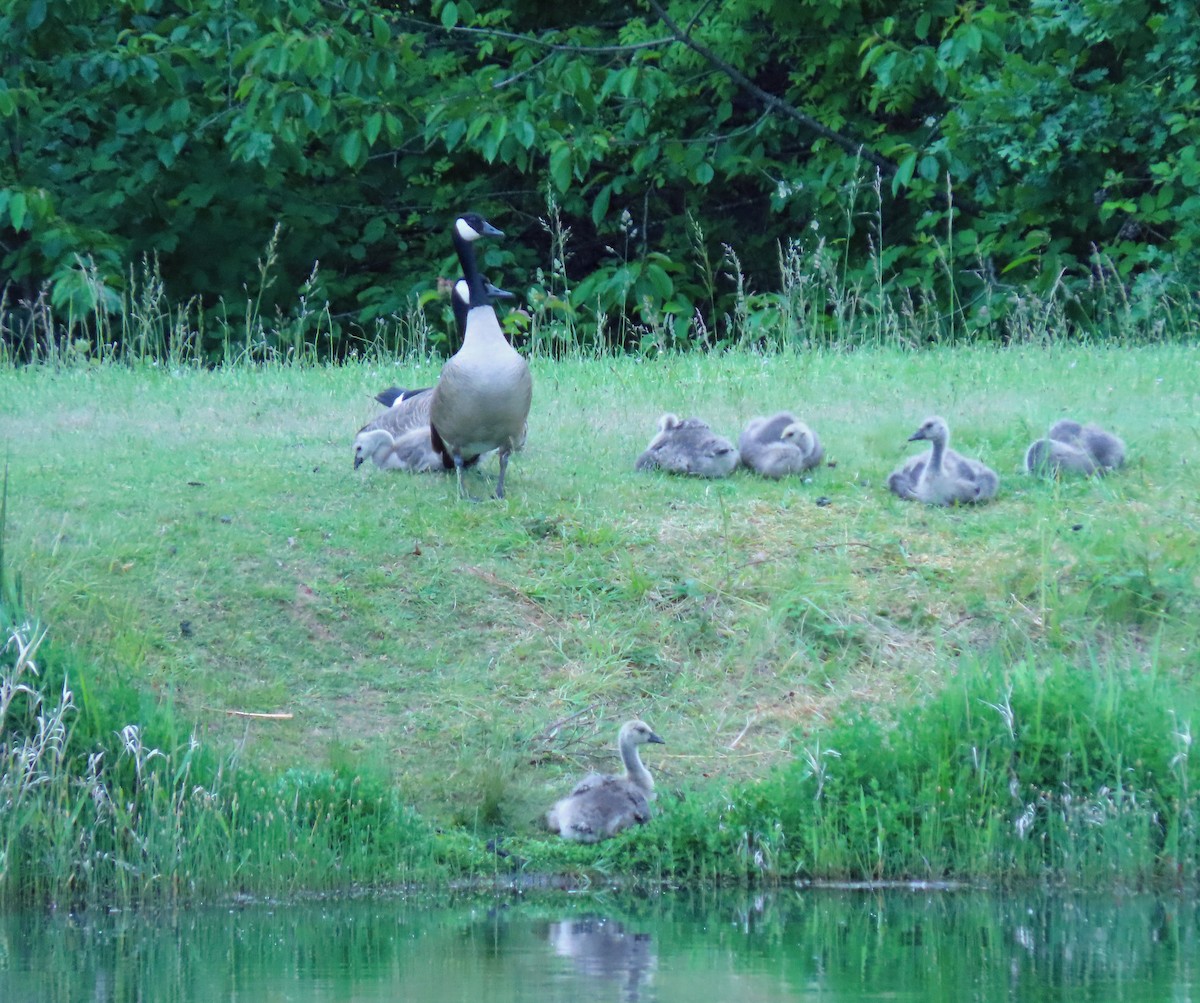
column 202, row 535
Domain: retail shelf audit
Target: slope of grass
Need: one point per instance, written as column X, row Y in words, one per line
column 201, row 536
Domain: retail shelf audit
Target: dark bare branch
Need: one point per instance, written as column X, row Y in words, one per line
column 511, row 36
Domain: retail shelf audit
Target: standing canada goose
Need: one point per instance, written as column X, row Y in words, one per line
column 412, row 451
column 1105, row 448
column 1050, row 457
column 688, row 446
column 942, row 476
column 460, row 302
column 482, row 397
column 601, row 806
column 779, row 445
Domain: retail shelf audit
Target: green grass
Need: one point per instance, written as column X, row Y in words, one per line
column 200, row 538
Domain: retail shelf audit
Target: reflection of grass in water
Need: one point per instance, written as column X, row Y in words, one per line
column 711, row 945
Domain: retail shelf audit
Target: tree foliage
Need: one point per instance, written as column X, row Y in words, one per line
column 960, row 150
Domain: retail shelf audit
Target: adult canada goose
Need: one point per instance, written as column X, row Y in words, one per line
column 779, row 445
column 1049, row 457
column 942, row 476
column 1105, row 448
column 460, row 302
column 601, row 806
column 482, row 397
column 688, row 446
column 412, row 451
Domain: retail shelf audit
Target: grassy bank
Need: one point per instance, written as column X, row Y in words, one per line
column 825, row 661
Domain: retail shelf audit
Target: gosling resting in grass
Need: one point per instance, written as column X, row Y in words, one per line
column 779, row 445
column 688, row 446
column 399, row 438
column 1105, row 448
column 412, row 451
column 942, row 476
column 1051, row 457
column 601, row 806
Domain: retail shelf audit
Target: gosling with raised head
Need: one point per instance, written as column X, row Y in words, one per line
column 779, row 445
column 601, row 806
column 942, row 476
column 688, row 446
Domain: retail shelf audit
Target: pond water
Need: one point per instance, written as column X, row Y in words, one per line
column 698, row 947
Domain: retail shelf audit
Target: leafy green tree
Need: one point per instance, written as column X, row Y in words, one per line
column 649, row 159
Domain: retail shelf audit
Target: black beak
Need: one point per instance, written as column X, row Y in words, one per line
column 495, row 293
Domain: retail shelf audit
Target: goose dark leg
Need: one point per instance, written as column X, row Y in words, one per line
column 503, row 468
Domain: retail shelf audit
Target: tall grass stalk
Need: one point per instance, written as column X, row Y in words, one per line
column 820, row 302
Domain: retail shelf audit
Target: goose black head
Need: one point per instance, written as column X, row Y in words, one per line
column 471, row 226
column 462, row 293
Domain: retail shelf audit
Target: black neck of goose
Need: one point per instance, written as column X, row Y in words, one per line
column 476, row 286
column 460, row 313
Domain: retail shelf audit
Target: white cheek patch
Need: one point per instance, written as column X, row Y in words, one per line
column 465, row 230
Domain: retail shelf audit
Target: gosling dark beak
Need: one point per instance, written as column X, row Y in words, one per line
column 915, row 436
column 655, row 740
column 357, row 462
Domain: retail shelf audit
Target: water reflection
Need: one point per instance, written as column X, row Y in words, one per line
column 603, row 948
column 788, row 945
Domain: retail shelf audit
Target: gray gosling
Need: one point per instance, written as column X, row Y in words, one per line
column 1105, row 448
column 1051, row 457
column 412, row 451
column 399, row 438
column 601, row 806
column 688, row 446
column 942, row 476
column 779, row 445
